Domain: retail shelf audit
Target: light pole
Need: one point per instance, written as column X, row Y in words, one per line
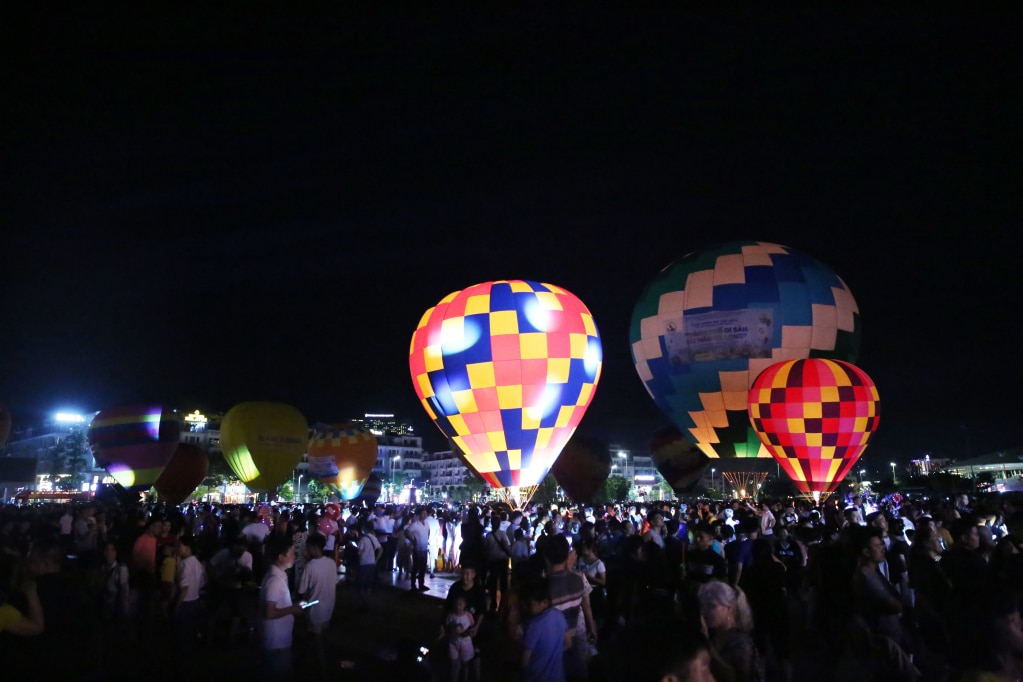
column 396, row 458
column 298, row 491
column 895, row 481
column 712, row 479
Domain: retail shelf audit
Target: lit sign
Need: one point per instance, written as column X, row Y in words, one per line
column 196, row 418
column 69, row 418
column 646, row 478
column 379, row 416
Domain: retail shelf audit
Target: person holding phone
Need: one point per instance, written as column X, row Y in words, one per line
column 276, row 612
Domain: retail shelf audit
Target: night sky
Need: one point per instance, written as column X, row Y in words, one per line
column 213, row 209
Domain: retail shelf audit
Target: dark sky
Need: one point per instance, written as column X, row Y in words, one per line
column 212, row 209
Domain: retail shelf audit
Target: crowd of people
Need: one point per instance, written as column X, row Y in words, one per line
column 850, row 589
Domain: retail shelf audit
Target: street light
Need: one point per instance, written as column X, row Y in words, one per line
column 298, row 491
column 895, row 481
column 712, row 479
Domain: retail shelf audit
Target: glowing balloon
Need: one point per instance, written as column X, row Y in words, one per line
column 582, row 467
column 184, row 472
column 5, row 425
column 371, row 491
column 506, row 370
column 263, row 442
column 134, row 443
column 342, row 457
column 707, row 325
column 677, row 459
column 332, row 510
column 815, row 416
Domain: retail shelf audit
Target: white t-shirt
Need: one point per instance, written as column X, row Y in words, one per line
column 368, row 544
column 319, row 581
column 191, row 578
column 276, row 633
column 256, row 532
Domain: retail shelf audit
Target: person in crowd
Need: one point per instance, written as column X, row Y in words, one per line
column 318, row 587
column 370, row 551
column 187, row 613
column 729, row 625
column 418, row 533
column 569, row 593
column 276, row 616
column 470, row 589
column 457, row 623
column 498, row 552
column 546, row 635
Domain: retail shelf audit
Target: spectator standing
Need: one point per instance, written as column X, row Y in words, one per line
column 276, row 614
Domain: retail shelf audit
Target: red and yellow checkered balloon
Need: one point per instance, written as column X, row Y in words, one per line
column 506, row 370
column 815, row 417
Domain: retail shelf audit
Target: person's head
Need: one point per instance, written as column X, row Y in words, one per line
column 644, row 657
column 964, row 532
column 459, row 605
column 869, row 545
column 109, row 553
column 556, row 550
column 186, row 546
column 314, row 545
column 468, row 576
column 280, row 553
column 536, row 596
column 703, row 537
column 878, row 520
column 724, row 607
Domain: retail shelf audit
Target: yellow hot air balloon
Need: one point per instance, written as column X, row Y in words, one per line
column 263, row 442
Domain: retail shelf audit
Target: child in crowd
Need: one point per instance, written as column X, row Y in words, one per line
column 460, row 649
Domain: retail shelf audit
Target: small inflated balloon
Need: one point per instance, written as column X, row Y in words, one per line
column 582, row 467
column 815, row 416
column 263, row 442
column 506, row 370
column 332, row 510
column 184, row 472
column 678, row 459
column 707, row 325
column 5, row 425
column 134, row 443
column 342, row 458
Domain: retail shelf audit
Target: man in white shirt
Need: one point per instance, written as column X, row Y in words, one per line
column 436, row 540
column 276, row 612
column 318, row 584
column 191, row 577
column 419, row 533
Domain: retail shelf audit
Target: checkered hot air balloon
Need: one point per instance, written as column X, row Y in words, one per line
column 815, row 417
column 342, row 457
column 506, row 370
column 708, row 324
column 582, row 467
column 678, row 460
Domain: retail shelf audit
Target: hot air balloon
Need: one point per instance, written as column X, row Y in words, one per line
column 815, row 416
column 263, row 442
column 134, row 443
column 342, row 457
column 5, row 425
column 582, row 467
column 370, row 492
column 184, row 472
column 506, row 370
column 707, row 325
column 680, row 461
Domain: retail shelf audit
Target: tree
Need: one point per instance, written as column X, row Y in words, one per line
column 69, row 456
column 316, row 491
column 547, row 491
column 617, row 488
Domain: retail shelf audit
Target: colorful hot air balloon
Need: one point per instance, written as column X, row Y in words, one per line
column 371, row 491
column 506, row 370
column 184, row 472
column 134, row 443
column 708, row 324
column 815, row 416
column 5, row 425
column 342, row 457
column 582, row 467
column 263, row 442
column 677, row 459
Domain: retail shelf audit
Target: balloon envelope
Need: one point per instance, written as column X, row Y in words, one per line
column 815, row 416
column 680, row 461
column 707, row 325
column 184, row 472
column 370, row 492
column 263, row 442
column 506, row 370
column 342, row 457
column 582, row 467
column 134, row 443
